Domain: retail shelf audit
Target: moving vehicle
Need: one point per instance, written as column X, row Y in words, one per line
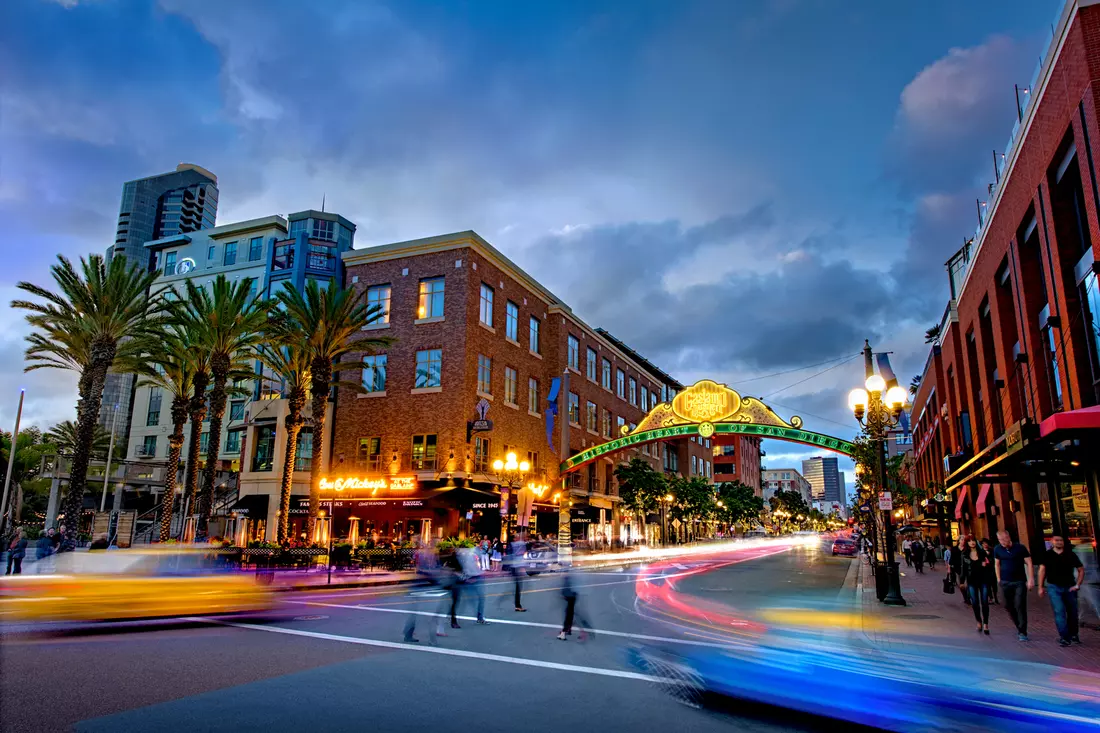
column 845, row 546
column 126, row 585
column 541, row 557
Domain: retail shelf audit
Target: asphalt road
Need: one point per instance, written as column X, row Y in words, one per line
column 336, row 661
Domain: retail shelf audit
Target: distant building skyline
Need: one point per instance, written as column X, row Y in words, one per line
column 823, row 473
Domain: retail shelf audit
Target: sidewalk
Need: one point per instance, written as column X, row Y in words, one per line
column 318, row 579
column 933, row 618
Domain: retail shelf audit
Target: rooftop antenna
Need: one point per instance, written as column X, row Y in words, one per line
column 322, row 203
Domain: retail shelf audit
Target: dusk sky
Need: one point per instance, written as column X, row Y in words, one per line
column 734, row 188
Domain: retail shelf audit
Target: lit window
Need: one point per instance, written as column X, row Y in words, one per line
column 533, row 395
column 484, row 374
column 481, row 454
column 574, row 408
column 429, row 368
column 378, row 301
column 535, row 343
column 511, row 379
column 374, row 373
column 573, row 349
column 431, row 298
column 511, row 321
column 487, row 305
column 423, row 452
column 369, row 453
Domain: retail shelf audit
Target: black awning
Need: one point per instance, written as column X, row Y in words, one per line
column 253, row 506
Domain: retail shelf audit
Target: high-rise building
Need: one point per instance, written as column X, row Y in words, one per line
column 786, row 479
column 824, row 477
column 155, row 207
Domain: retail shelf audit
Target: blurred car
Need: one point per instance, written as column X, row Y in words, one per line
column 125, row 585
column 965, row 694
column 541, row 557
column 845, row 546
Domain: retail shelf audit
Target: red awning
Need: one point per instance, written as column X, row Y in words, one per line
column 983, row 494
column 1087, row 418
column 961, row 503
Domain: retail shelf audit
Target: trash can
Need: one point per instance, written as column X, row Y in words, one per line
column 882, row 580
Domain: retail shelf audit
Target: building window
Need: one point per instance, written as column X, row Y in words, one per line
column 511, row 321
column 296, row 227
column 236, row 410
column 263, row 458
column 431, row 298
column 374, row 373
column 633, row 392
column 606, row 424
column 255, row 248
column 230, row 257
column 694, row 466
column 210, row 252
column 369, row 454
column 429, row 367
column 533, row 395
column 620, row 423
column 152, row 417
column 303, row 451
column 484, row 374
column 645, row 448
column 573, row 350
column 253, row 286
column 1055, row 378
column 574, row 409
column 325, row 230
column 423, row 452
column 511, row 385
column 378, row 301
column 607, row 375
column 170, row 263
column 645, row 398
column 535, row 343
column 590, row 365
column 204, row 442
column 590, row 416
column 672, row 459
column 149, row 446
column 486, row 305
column 481, row 454
column 653, row 400
column 620, row 383
column 233, row 441
column 533, row 460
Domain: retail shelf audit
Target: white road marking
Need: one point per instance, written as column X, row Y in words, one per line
column 543, row 664
column 511, row 622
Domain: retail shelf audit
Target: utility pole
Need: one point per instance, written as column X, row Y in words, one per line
column 11, row 463
column 107, row 468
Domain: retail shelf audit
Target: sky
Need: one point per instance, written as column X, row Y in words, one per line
column 736, row 188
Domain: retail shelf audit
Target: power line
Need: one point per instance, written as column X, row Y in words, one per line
column 791, row 371
column 818, row 374
column 847, row 426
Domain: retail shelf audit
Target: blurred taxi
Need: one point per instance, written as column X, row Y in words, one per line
column 125, row 585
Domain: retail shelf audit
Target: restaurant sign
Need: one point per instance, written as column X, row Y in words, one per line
column 371, row 484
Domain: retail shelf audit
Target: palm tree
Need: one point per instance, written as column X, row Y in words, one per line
column 914, row 385
column 225, row 321
column 63, row 438
column 932, row 335
column 172, row 369
column 289, row 360
column 333, row 318
column 101, row 312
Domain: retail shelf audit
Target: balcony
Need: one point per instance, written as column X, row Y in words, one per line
column 284, row 257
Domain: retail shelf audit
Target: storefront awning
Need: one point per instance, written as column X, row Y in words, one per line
column 1087, row 418
column 983, row 495
column 252, row 506
column 961, row 505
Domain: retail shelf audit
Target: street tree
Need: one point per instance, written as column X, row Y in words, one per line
column 640, row 486
column 333, row 319
column 692, row 499
column 740, row 504
column 99, row 313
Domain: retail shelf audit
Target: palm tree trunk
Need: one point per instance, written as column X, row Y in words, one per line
column 321, row 381
column 91, row 381
column 175, row 447
column 292, row 430
column 219, row 378
column 197, row 410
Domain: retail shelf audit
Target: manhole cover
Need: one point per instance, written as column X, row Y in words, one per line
column 918, row 616
column 309, row 618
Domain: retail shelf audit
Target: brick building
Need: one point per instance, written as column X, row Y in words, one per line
column 786, row 479
column 737, row 458
column 1005, row 419
column 471, row 328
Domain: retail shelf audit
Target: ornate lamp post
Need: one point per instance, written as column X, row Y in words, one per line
column 666, row 500
column 510, row 474
column 878, row 409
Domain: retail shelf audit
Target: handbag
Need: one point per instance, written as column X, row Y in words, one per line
column 948, row 585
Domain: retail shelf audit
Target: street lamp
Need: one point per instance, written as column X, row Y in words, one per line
column 510, row 474
column 877, row 409
column 665, row 501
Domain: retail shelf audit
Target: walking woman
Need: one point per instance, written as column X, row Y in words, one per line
column 987, row 545
column 975, row 579
column 930, row 555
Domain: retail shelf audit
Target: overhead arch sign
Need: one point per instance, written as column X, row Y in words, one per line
column 707, row 409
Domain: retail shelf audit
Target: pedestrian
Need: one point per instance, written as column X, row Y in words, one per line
column 497, row 556
column 907, row 549
column 450, row 580
column 930, row 555
column 17, row 550
column 975, row 581
column 427, row 573
column 994, row 599
column 471, row 578
column 569, row 593
column 481, row 554
column 917, row 550
column 1060, row 576
column 43, row 552
column 517, row 566
column 1014, row 574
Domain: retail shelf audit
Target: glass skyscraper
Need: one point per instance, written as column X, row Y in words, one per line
column 824, row 477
